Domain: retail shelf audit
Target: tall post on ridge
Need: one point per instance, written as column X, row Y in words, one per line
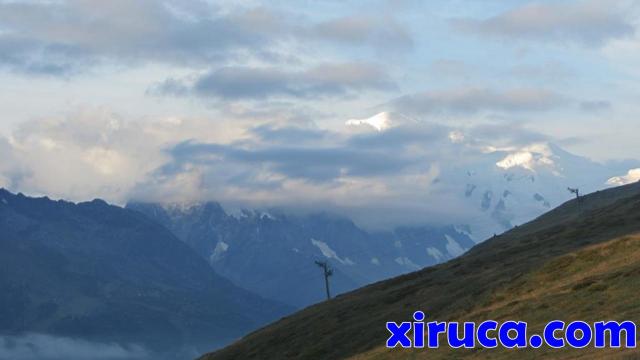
column 575, row 191
column 327, row 272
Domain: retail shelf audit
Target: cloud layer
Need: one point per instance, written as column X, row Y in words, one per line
column 67, row 37
column 369, row 108
column 471, row 100
column 587, row 22
column 234, row 83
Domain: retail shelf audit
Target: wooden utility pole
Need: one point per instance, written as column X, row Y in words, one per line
column 327, row 272
column 575, row 191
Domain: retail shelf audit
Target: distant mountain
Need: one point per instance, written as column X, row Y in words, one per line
column 579, row 261
column 102, row 273
column 273, row 254
column 498, row 188
column 486, row 193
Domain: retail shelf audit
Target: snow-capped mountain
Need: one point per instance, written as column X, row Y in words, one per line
column 505, row 187
column 273, row 254
column 490, row 191
column 488, row 178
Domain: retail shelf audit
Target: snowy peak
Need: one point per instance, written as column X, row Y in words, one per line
column 261, row 251
column 508, row 186
column 530, row 158
column 379, row 122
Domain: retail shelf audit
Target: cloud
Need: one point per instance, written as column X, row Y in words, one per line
column 471, row 100
column 288, row 134
column 505, row 135
column 93, row 152
column 238, row 83
column 58, row 37
column 588, row 22
column 321, row 164
column 382, row 32
column 336, row 175
column 62, row 38
column 396, row 176
column 47, row 347
column 632, row 176
column 400, row 138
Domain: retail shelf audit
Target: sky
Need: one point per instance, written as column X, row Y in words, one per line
column 324, row 104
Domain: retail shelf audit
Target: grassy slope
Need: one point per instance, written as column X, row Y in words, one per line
column 579, row 261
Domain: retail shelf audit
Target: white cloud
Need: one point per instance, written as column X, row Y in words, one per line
column 632, row 176
column 93, row 153
column 399, row 176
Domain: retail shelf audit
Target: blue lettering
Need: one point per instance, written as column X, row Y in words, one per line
column 435, row 328
column 398, row 334
column 483, row 334
column 418, row 329
column 584, row 339
column 520, row 329
column 468, row 338
column 549, row 334
column 615, row 333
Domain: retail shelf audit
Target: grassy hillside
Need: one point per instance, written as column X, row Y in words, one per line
column 579, row 261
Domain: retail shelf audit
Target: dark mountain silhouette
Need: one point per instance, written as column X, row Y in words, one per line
column 103, row 273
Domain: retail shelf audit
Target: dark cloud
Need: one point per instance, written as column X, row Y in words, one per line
column 401, row 137
column 506, row 135
column 62, row 38
column 58, row 37
column 27, row 55
column 473, row 100
column 324, row 157
column 288, row 134
column 261, row 83
column 314, row 164
column 589, row 22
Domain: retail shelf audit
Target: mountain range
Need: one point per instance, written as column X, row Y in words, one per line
column 105, row 274
column 273, row 254
column 179, row 279
column 579, row 261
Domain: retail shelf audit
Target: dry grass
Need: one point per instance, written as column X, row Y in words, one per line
column 591, row 284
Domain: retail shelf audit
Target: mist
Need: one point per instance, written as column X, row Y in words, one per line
column 46, row 347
